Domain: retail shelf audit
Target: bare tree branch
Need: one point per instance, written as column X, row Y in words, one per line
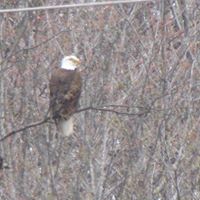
column 47, row 119
column 24, row 128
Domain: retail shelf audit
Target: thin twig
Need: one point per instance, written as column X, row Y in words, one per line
column 32, row 47
column 80, row 5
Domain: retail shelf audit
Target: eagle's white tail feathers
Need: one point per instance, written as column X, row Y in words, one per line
column 66, row 127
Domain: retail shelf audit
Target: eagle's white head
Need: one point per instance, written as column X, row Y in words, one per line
column 70, row 62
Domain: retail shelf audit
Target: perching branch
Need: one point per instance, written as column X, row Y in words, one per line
column 47, row 119
column 113, row 111
column 25, row 127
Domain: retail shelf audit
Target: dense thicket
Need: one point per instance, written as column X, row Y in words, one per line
column 140, row 58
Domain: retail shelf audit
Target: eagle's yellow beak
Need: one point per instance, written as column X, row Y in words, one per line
column 76, row 61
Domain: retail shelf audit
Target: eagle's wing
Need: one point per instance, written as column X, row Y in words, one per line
column 65, row 89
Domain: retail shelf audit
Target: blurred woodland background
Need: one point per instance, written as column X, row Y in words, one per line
column 141, row 60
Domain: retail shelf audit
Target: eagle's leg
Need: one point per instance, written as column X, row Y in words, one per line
column 72, row 92
column 68, row 96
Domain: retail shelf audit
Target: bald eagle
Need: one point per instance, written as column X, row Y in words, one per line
column 65, row 88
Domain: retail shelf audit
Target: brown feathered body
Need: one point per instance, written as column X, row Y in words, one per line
column 65, row 89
